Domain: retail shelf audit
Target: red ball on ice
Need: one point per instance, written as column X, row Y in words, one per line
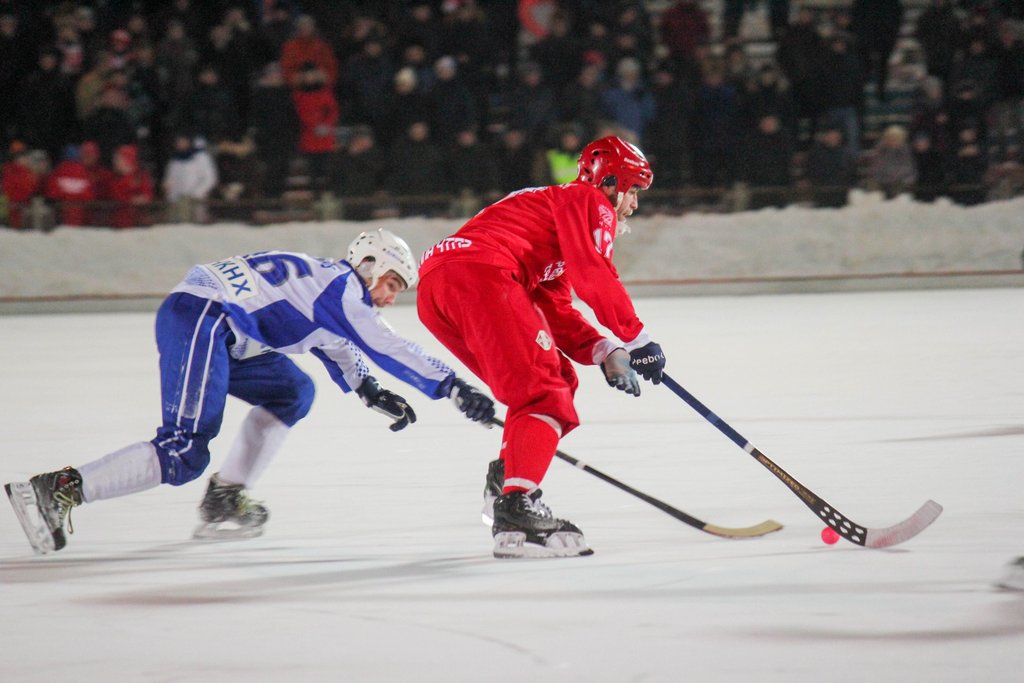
column 829, row 535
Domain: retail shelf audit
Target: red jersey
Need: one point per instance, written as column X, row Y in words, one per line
column 70, row 184
column 554, row 240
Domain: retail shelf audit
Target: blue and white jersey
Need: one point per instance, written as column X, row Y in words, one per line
column 294, row 303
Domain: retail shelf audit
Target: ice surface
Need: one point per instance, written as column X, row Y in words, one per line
column 375, row 566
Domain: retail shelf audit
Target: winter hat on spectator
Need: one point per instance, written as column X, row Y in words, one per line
column 446, row 63
column 90, row 152
column 120, row 39
column 128, row 155
column 406, row 76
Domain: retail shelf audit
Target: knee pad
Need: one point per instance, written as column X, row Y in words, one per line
column 183, row 456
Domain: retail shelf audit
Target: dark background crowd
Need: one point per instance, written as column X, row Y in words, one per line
column 110, row 106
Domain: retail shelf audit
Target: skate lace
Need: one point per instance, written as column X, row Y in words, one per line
column 538, row 506
column 66, row 500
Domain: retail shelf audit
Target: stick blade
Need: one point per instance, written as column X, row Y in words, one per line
column 762, row 529
column 905, row 530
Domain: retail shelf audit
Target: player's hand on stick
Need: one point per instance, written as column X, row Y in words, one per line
column 648, row 361
column 387, row 403
column 476, row 405
column 619, row 374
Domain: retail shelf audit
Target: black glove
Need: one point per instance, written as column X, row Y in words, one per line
column 477, row 406
column 649, row 361
column 619, row 374
column 387, row 403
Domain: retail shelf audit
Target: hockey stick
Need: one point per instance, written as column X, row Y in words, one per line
column 761, row 529
column 855, row 533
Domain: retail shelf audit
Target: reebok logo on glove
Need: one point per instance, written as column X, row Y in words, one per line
column 648, row 361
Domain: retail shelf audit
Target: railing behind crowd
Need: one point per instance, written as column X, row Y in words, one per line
column 42, row 214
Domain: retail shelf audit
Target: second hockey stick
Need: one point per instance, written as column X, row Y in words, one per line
column 761, row 529
column 855, row 533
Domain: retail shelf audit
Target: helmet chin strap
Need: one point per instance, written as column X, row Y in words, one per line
column 622, row 227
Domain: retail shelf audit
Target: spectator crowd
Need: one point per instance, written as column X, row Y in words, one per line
column 109, row 107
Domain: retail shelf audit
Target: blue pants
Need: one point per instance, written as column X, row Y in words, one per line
column 197, row 374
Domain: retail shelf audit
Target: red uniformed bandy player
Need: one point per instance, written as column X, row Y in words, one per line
column 498, row 295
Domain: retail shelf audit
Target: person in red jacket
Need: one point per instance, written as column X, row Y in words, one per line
column 69, row 185
column 100, row 176
column 20, row 182
column 498, row 295
column 318, row 114
column 131, row 188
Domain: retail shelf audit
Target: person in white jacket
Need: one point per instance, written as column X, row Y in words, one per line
column 191, row 173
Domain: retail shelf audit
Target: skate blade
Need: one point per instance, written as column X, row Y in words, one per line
column 487, row 513
column 225, row 531
column 1014, row 579
column 26, row 507
column 513, row 545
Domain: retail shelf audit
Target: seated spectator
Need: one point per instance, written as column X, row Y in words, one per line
column 305, row 47
column 20, row 180
column 360, row 172
column 109, row 125
column 318, row 113
column 212, row 110
column 628, row 102
column 274, row 128
column 939, row 32
column 470, row 168
column 769, row 157
column 831, row 170
column 931, row 168
column 191, row 174
column 1008, row 110
column 70, row 186
column 100, row 177
column 131, row 188
column 580, row 101
column 239, row 172
column 404, row 104
column 562, row 158
column 452, row 107
column 715, row 130
column 667, row 144
column 930, row 115
column 968, row 167
column 516, row 161
column 685, row 27
column 416, row 167
column 891, row 163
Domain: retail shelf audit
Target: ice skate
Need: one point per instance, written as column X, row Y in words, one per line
column 524, row 527
column 492, row 489
column 227, row 513
column 43, row 503
column 1014, row 578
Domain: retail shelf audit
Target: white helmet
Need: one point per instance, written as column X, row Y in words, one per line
column 388, row 251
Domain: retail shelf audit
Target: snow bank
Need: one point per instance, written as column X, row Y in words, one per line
column 871, row 236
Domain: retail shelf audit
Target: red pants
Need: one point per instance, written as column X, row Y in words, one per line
column 484, row 317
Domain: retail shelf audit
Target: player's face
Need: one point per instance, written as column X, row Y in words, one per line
column 388, row 287
column 628, row 203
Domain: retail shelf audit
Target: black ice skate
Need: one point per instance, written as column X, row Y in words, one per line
column 43, row 503
column 1014, row 578
column 227, row 512
column 525, row 527
column 492, row 489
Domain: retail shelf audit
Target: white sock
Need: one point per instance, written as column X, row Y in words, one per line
column 257, row 443
column 130, row 470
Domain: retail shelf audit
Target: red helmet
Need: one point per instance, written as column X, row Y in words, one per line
column 613, row 158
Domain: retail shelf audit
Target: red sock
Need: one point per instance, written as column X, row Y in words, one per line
column 528, row 446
